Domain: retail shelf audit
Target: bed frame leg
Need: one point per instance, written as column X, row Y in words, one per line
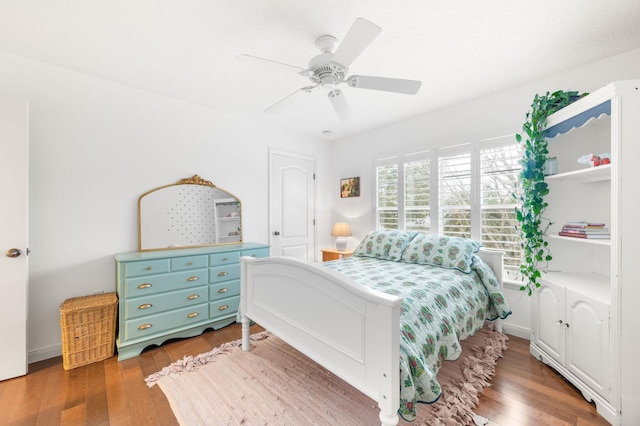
column 388, row 419
column 246, row 332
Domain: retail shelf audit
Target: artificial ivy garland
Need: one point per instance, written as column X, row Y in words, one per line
column 532, row 186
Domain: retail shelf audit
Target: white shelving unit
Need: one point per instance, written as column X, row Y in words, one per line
column 584, row 314
column 227, row 219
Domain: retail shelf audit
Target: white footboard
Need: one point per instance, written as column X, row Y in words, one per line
column 346, row 327
column 349, row 329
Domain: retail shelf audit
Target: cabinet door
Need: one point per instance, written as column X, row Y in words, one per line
column 588, row 350
column 549, row 320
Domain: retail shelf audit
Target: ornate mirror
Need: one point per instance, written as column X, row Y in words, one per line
column 193, row 212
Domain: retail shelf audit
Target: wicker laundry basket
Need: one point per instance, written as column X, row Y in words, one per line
column 88, row 326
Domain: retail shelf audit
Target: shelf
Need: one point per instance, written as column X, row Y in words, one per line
column 229, row 219
column 591, row 174
column 596, row 241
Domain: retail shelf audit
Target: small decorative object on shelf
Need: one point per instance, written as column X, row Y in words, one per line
column 593, row 160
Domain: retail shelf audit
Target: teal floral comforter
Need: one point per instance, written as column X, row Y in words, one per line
column 440, row 308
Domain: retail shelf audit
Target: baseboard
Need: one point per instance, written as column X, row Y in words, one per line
column 516, row 330
column 44, row 353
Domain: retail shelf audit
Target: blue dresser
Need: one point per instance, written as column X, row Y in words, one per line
column 177, row 293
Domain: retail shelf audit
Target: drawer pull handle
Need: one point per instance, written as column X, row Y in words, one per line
column 148, row 268
column 193, row 315
column 193, row 278
column 145, row 285
column 222, row 274
column 145, row 306
column 223, row 307
column 223, row 290
column 193, row 296
column 189, row 263
column 224, row 259
column 144, row 326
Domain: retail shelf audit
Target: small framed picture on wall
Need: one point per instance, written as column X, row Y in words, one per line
column 350, row 187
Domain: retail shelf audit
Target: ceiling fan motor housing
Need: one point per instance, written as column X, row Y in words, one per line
column 325, row 72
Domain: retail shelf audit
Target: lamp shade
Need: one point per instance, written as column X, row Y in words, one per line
column 341, row 229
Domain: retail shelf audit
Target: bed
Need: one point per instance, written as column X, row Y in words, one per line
column 384, row 319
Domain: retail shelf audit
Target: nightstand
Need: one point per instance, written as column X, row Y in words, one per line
column 333, row 254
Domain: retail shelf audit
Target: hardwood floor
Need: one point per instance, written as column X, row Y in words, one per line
column 524, row 391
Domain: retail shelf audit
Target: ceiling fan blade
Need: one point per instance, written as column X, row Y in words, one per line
column 360, row 35
column 284, row 102
column 398, row 85
column 281, row 65
column 340, row 104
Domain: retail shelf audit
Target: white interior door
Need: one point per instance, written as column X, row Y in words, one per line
column 14, row 178
column 292, row 205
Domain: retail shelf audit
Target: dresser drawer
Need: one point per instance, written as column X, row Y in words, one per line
column 188, row 262
column 146, row 267
column 262, row 252
column 224, row 307
column 219, row 274
column 154, row 324
column 136, row 287
column 154, row 304
column 224, row 258
column 226, row 289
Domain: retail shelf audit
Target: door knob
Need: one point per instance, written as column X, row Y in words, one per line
column 13, row 252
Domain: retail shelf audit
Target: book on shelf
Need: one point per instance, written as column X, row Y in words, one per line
column 586, row 230
column 590, row 236
column 584, row 225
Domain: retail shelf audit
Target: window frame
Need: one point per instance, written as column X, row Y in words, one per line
column 474, row 149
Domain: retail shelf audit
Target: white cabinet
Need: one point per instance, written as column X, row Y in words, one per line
column 572, row 330
column 584, row 315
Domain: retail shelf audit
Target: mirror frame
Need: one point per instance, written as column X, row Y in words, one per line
column 193, row 180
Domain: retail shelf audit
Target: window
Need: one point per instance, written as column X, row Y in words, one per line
column 454, row 189
column 387, row 185
column 417, row 200
column 463, row 191
column 499, row 169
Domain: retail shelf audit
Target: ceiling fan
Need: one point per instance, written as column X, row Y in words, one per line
column 330, row 69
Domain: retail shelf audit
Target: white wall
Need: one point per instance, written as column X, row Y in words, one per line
column 499, row 114
column 95, row 147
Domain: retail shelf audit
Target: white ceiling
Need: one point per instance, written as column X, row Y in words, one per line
column 186, row 49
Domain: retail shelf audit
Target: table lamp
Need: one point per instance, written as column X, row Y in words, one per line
column 341, row 230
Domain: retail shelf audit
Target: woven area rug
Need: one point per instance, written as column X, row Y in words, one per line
column 275, row 384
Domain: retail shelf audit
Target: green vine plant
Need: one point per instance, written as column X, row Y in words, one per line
column 532, row 187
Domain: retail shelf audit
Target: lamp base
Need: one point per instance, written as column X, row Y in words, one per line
column 341, row 243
